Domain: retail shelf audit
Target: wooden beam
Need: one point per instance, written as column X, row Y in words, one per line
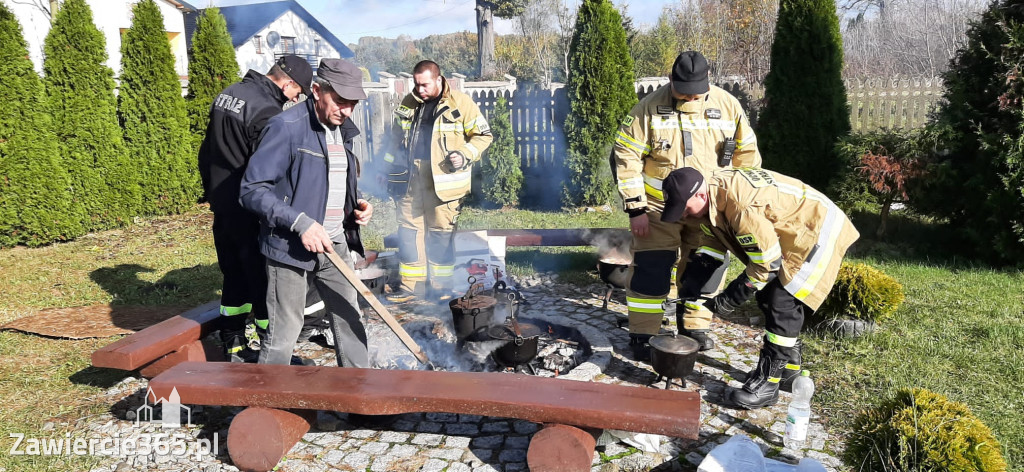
column 136, row 350
column 382, row 392
column 195, row 351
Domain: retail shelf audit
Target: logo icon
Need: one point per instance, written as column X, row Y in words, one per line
column 170, row 410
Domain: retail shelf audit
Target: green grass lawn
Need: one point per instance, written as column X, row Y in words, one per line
column 959, row 333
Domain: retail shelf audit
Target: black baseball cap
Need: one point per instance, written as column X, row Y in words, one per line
column 678, row 187
column 345, row 77
column 299, row 70
column 690, row 74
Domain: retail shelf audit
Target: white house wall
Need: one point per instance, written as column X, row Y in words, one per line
column 110, row 16
column 288, row 24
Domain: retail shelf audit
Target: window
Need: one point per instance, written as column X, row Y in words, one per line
column 287, row 44
column 316, row 45
column 258, row 42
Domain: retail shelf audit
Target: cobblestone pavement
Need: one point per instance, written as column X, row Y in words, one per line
column 435, row 442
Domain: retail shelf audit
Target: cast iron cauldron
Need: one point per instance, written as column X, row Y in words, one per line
column 672, row 356
column 472, row 312
column 374, row 278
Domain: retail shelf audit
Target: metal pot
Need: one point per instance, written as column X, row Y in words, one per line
column 613, row 273
column 374, row 278
column 522, row 339
column 472, row 312
column 520, row 349
column 672, row 356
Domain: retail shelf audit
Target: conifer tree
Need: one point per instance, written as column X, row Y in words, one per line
column 600, row 91
column 805, row 110
column 503, row 176
column 35, row 206
column 80, row 90
column 211, row 68
column 152, row 113
column 980, row 134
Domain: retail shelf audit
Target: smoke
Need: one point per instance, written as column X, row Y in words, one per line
column 612, row 245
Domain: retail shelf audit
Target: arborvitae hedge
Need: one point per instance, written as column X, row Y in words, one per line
column 503, row 177
column 152, row 113
column 80, row 89
column 805, row 110
column 35, row 206
column 922, row 431
column 211, row 68
column 600, row 91
column 980, row 130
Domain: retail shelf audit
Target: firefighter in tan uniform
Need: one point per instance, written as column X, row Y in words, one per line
column 684, row 123
column 792, row 239
column 438, row 134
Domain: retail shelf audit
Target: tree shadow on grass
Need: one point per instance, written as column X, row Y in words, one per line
column 175, row 292
column 914, row 239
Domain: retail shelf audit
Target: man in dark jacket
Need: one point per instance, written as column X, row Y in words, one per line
column 302, row 183
column 237, row 117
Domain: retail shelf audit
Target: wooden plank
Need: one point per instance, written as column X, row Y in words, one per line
column 381, row 392
column 152, row 343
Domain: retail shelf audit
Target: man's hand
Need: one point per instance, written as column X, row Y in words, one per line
column 639, row 226
column 456, row 159
column 363, row 212
column 316, row 240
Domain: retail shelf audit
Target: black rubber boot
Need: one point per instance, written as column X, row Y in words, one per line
column 236, row 347
column 762, row 386
column 639, row 343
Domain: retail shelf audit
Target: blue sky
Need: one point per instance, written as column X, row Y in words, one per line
column 351, row 19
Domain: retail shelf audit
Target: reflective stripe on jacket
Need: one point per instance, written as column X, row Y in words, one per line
column 458, row 126
column 777, row 224
column 660, row 135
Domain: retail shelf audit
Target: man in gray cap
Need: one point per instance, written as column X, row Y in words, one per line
column 302, row 184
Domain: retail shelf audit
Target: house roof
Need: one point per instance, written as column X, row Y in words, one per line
column 244, row 21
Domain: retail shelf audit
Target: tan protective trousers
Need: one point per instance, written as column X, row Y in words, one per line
column 426, row 227
column 650, row 276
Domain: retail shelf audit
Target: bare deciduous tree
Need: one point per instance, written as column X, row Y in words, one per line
column 904, row 37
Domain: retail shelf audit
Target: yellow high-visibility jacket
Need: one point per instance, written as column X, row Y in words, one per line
column 778, row 224
column 660, row 135
column 458, row 126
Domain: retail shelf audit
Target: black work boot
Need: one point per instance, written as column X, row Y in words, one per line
column 639, row 343
column 700, row 335
column 236, row 347
column 762, row 386
column 791, row 371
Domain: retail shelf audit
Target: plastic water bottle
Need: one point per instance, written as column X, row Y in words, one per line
column 799, row 415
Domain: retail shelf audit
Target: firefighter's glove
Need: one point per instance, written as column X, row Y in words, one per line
column 738, row 291
column 457, row 160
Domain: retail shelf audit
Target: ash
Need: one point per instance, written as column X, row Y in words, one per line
column 559, row 348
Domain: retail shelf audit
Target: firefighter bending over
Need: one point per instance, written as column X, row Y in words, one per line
column 792, row 240
column 685, row 123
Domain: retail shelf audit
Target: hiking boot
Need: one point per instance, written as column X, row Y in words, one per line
column 639, row 343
